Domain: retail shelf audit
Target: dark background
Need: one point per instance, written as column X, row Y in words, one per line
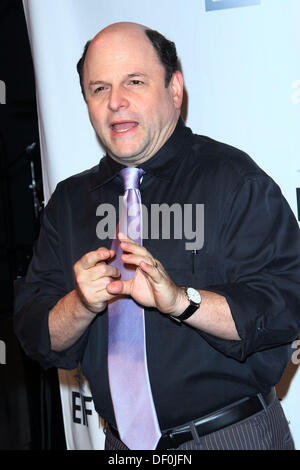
column 30, row 410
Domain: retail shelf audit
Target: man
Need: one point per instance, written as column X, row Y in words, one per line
column 223, row 359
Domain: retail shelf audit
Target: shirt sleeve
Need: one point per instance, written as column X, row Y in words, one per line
column 39, row 291
column 260, row 252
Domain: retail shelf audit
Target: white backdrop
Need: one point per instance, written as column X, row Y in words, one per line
column 242, row 76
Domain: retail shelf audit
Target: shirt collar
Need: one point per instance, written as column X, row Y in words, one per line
column 161, row 165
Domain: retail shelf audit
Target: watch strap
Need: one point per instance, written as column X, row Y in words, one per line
column 189, row 311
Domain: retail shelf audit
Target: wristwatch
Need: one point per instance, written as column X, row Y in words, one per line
column 195, row 300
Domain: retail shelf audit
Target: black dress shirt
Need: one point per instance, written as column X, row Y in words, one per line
column 250, row 255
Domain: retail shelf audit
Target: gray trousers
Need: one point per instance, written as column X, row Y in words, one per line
column 266, row 430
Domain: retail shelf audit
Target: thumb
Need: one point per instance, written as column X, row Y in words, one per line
column 119, row 287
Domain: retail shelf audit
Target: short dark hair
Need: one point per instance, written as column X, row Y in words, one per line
column 165, row 49
column 80, row 65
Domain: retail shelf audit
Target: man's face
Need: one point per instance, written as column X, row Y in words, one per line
column 129, row 106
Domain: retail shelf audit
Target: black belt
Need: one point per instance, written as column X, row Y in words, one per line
column 231, row 414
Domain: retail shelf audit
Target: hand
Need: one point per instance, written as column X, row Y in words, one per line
column 92, row 276
column 151, row 286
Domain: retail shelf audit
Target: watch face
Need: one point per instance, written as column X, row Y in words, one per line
column 193, row 295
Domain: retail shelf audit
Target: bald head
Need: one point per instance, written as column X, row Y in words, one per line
column 121, row 28
column 164, row 49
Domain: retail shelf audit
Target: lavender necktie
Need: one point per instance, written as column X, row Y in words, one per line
column 127, row 363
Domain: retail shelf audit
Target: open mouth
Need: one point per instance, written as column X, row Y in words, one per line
column 120, row 127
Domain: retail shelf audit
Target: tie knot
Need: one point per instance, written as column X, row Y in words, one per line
column 131, row 177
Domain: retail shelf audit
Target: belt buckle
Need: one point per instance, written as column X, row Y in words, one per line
column 166, row 441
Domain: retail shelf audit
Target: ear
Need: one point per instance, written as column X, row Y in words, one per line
column 176, row 89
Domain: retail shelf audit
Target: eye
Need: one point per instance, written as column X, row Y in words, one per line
column 136, row 82
column 99, row 89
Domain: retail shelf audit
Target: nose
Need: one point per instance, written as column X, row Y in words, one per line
column 117, row 99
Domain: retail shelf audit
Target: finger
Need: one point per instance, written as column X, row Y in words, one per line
column 126, row 239
column 123, row 237
column 152, row 271
column 103, row 295
column 131, row 247
column 89, row 288
column 96, row 295
column 119, row 287
column 103, row 269
column 90, row 259
column 100, row 284
column 136, row 259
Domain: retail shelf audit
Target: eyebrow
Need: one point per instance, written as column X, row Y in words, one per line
column 137, row 74
column 130, row 75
